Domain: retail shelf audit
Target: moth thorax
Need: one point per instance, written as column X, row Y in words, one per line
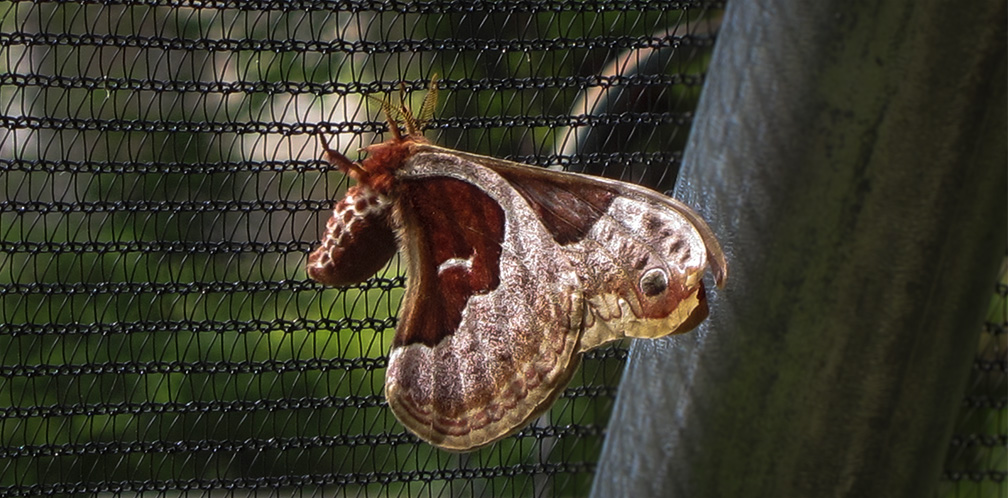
column 653, row 282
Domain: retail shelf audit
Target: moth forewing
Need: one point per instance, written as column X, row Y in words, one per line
column 512, row 348
column 715, row 256
column 637, row 241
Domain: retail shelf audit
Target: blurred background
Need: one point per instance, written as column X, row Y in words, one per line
column 162, row 185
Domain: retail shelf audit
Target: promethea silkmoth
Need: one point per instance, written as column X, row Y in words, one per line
column 512, row 272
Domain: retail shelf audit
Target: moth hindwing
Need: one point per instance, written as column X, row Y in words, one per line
column 512, row 272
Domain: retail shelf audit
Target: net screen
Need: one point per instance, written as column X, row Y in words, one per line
column 163, row 184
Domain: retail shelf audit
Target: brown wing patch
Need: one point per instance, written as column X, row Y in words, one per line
column 567, row 207
column 453, row 235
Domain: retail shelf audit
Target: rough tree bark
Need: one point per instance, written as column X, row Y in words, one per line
column 851, row 156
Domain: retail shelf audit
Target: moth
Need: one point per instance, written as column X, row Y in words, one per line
column 512, row 272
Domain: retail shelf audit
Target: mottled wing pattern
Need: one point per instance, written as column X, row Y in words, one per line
column 640, row 256
column 513, row 271
column 490, row 323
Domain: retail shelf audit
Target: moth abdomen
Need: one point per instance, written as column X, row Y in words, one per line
column 358, row 240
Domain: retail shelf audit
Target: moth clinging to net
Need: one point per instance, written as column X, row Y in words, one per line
column 512, row 272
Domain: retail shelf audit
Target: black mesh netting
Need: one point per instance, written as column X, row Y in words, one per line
column 162, row 186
